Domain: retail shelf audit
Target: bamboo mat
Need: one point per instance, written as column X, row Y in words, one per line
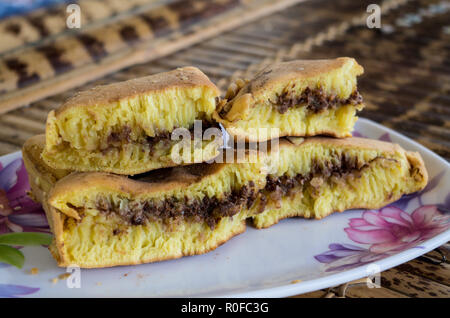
column 40, row 57
column 406, row 86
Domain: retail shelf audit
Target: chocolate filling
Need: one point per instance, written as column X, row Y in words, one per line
column 209, row 210
column 316, row 100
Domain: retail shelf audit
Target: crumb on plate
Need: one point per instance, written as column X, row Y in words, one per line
column 64, row 276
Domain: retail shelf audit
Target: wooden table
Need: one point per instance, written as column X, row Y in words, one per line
column 406, row 85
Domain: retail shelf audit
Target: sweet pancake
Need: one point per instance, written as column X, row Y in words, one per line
column 314, row 177
column 126, row 127
column 300, row 98
column 101, row 219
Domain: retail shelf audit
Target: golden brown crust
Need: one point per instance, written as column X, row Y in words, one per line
column 268, row 77
column 185, row 77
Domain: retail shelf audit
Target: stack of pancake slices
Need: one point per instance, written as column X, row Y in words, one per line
column 138, row 171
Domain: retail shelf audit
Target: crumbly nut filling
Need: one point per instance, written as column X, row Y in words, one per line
column 316, row 100
column 209, row 210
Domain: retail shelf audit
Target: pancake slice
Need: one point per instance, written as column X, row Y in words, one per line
column 101, row 219
column 300, row 98
column 314, row 177
column 126, row 127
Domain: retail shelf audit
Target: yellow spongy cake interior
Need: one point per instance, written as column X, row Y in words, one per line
column 147, row 114
column 384, row 177
column 338, row 122
column 98, row 241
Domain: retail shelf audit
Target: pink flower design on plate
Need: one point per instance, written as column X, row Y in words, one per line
column 393, row 230
column 387, row 232
column 18, row 213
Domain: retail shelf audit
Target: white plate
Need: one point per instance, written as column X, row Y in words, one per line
column 292, row 257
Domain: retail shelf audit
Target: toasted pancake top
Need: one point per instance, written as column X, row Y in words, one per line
column 186, row 77
column 268, row 77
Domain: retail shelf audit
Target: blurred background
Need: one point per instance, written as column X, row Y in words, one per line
column 49, row 49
